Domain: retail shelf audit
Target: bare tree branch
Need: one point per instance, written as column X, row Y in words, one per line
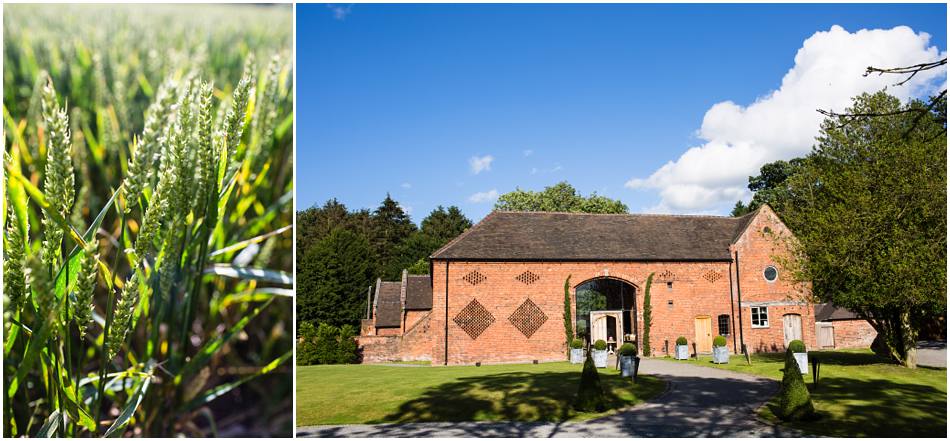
column 912, row 70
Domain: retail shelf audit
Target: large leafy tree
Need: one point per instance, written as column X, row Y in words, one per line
column 332, row 279
column 769, row 187
column 870, row 219
column 559, row 197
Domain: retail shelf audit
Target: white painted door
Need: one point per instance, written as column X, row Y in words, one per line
column 599, row 323
column 792, row 324
column 598, row 327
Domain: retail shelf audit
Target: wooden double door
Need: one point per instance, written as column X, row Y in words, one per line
column 606, row 326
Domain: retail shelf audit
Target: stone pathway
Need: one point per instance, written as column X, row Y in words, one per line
column 700, row 402
column 932, row 353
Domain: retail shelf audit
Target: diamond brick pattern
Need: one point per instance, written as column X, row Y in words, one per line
column 528, row 318
column 666, row 276
column 712, row 276
column 474, row 278
column 528, row 277
column 474, row 319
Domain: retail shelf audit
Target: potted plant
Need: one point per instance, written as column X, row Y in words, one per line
column 628, row 359
column 577, row 351
column 682, row 350
column 599, row 354
column 797, row 348
column 720, row 351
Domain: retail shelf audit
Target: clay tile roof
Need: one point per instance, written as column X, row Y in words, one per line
column 388, row 308
column 518, row 235
column 419, row 292
column 826, row 311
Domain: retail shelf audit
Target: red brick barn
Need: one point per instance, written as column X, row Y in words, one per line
column 497, row 291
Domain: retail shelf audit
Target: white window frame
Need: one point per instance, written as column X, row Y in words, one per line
column 761, row 310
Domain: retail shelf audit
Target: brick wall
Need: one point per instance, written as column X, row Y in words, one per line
column 410, row 318
column 761, row 245
column 413, row 345
column 695, row 289
column 853, row 334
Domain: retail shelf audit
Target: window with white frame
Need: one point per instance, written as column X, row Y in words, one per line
column 760, row 317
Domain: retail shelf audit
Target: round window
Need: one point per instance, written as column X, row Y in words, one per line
column 770, row 273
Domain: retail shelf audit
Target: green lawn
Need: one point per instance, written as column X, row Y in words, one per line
column 346, row 394
column 861, row 394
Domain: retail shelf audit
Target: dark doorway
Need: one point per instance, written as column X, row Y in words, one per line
column 606, row 294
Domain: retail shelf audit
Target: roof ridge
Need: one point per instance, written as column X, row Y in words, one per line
column 575, row 213
column 463, row 235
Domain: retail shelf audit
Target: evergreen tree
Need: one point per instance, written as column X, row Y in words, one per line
column 590, row 394
column 332, row 279
column 391, row 227
column 315, row 223
column 568, row 324
column 445, row 225
column 794, row 400
column 647, row 316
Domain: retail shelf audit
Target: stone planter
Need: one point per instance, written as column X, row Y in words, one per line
column 629, row 365
column 802, row 359
column 577, row 356
column 682, row 352
column 720, row 354
column 600, row 358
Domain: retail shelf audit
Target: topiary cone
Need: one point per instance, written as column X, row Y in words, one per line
column 794, row 400
column 590, row 395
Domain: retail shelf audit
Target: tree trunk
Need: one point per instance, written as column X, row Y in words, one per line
column 899, row 337
column 908, row 341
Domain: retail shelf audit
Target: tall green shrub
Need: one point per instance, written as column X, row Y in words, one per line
column 794, row 400
column 326, row 344
column 647, row 316
column 568, row 325
column 590, row 394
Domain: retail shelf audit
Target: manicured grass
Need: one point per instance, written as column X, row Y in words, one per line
column 860, row 394
column 349, row 394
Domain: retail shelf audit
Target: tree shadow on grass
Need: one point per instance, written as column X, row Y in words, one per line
column 848, row 358
column 512, row 396
column 878, row 408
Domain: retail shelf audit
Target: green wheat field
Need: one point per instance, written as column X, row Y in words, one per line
column 147, row 211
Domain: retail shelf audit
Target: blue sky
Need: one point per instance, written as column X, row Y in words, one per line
column 666, row 107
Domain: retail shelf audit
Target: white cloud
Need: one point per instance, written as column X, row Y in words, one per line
column 527, row 153
column 738, row 139
column 406, row 185
column 479, row 164
column 483, row 196
column 340, row 12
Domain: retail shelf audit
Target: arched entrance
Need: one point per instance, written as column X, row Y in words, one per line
column 606, row 308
